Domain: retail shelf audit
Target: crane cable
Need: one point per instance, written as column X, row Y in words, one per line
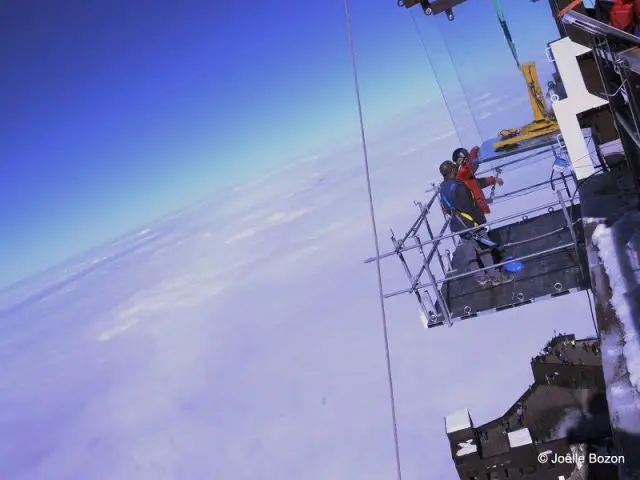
column 507, row 35
column 435, row 75
column 376, row 240
column 505, row 30
column 457, row 74
column 464, row 90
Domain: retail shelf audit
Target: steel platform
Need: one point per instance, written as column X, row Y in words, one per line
column 546, row 276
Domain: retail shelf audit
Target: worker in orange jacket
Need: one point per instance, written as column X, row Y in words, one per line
column 467, row 163
column 624, row 15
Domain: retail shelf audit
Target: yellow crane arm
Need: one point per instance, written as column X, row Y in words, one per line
column 536, row 97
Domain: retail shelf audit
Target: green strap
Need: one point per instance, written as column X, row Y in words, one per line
column 505, row 30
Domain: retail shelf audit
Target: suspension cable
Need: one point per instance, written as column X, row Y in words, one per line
column 375, row 236
column 457, row 74
column 436, row 76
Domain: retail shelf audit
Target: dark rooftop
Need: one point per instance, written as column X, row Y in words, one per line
column 542, row 409
column 567, row 350
column 546, row 410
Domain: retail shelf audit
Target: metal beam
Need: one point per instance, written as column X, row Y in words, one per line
column 472, row 272
column 440, row 238
column 596, row 27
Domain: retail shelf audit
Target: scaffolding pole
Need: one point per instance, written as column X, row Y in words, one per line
column 415, row 281
column 430, row 233
column 424, row 211
column 443, row 237
column 443, row 305
column 471, row 272
column 567, row 218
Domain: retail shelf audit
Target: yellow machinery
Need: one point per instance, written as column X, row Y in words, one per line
column 544, row 121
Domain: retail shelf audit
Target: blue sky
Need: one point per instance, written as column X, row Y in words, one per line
column 122, row 111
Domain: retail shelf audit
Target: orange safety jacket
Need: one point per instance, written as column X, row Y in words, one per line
column 623, row 15
column 466, row 174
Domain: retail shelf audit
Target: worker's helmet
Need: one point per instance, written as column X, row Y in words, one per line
column 459, row 153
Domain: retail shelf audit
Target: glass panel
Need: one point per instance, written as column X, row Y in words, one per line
column 474, row 63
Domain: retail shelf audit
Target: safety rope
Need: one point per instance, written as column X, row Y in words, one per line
column 376, row 240
column 505, row 30
column 436, row 76
column 457, row 74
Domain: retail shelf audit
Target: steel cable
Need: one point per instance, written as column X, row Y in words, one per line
column 376, row 240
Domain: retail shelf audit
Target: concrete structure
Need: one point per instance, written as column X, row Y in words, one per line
column 567, row 392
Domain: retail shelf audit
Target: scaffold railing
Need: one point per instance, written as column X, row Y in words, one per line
column 427, row 283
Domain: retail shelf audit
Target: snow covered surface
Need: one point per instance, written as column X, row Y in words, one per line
column 466, row 448
column 624, row 387
column 240, row 338
column 518, row 438
column 458, row 421
column 569, row 420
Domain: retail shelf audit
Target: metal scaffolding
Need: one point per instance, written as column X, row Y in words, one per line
column 617, row 55
column 427, row 285
column 608, row 197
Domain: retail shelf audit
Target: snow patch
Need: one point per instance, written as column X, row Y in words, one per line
column 568, row 421
column 518, row 438
column 466, row 448
column 458, row 421
column 593, row 220
column 624, row 393
column 604, row 239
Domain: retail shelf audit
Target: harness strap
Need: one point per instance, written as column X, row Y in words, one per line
column 480, row 239
column 452, row 189
column 468, row 217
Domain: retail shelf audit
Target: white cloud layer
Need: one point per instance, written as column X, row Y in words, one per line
column 241, row 338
